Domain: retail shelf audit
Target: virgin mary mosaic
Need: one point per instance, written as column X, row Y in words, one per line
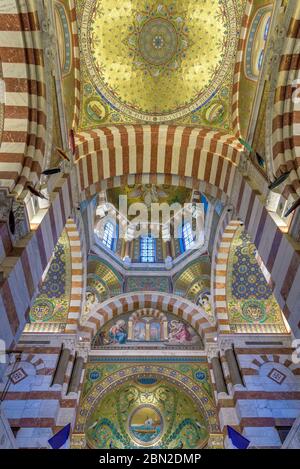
column 147, row 329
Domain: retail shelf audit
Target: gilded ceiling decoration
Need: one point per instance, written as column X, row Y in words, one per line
column 158, row 61
column 149, row 194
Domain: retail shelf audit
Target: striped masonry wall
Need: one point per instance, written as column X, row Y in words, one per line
column 262, row 404
column 77, row 277
column 35, row 406
column 23, row 138
column 286, row 110
column 121, row 150
column 280, row 255
column 24, row 266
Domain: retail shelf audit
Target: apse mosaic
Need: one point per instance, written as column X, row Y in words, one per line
column 147, row 328
column 149, row 194
column 135, row 52
column 134, row 405
column 50, row 309
column 251, row 305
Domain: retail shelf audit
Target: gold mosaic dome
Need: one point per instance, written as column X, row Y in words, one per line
column 158, row 62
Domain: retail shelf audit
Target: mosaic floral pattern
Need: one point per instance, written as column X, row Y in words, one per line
column 147, row 284
column 115, row 391
column 251, row 305
column 52, row 303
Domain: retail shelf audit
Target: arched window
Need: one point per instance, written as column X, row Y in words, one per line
column 187, row 235
column 147, row 249
column 108, row 235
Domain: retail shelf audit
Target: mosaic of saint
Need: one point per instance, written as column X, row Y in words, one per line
column 147, row 329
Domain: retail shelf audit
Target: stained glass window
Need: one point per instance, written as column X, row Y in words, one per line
column 188, row 239
column 108, row 235
column 147, row 249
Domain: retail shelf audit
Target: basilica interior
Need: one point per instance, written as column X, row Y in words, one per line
column 164, row 332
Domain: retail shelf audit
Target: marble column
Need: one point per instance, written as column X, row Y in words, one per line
column 233, row 366
column 61, row 368
column 76, row 374
column 218, row 374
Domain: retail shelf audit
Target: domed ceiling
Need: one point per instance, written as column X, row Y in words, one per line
column 158, row 62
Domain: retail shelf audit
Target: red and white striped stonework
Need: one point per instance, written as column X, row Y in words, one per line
column 23, row 138
column 278, row 252
column 262, row 404
column 131, row 302
column 238, row 67
column 286, row 110
column 227, row 232
column 34, row 405
column 77, row 281
column 208, row 156
column 76, row 62
column 121, row 150
column 25, row 264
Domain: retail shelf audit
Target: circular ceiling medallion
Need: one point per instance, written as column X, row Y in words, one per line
column 146, row 425
column 158, row 63
column 158, row 41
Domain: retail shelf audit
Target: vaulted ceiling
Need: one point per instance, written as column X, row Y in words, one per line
column 158, row 62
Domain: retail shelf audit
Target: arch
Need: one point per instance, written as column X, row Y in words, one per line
column 24, row 138
column 285, row 111
column 220, row 276
column 77, row 281
column 211, row 157
column 174, row 150
column 174, row 377
column 131, row 302
column 261, row 360
column 157, row 179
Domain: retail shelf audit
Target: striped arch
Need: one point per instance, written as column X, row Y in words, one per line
column 211, row 157
column 227, row 233
column 23, row 138
column 158, row 179
column 261, row 360
column 131, row 302
column 286, row 109
column 33, row 359
column 77, row 279
column 238, row 68
column 171, row 150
